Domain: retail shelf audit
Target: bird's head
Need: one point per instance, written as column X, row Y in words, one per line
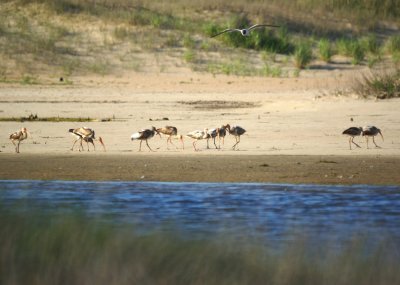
column 71, row 130
column 156, row 131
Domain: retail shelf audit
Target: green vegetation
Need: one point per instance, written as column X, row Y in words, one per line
column 71, row 37
column 325, row 50
column 35, row 118
column 379, row 84
column 302, row 55
column 64, row 248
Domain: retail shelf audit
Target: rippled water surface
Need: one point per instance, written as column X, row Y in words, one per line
column 257, row 210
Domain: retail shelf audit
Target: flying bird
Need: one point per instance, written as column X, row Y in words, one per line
column 245, row 32
column 171, row 132
column 145, row 135
column 85, row 134
column 371, row 131
column 18, row 136
column 197, row 135
column 236, row 131
column 353, row 132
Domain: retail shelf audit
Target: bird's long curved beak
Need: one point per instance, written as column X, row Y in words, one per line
column 381, row 135
column 102, row 143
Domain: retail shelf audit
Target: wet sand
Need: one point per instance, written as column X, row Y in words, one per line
column 205, row 168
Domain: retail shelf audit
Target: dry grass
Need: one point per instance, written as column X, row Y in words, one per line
column 71, row 37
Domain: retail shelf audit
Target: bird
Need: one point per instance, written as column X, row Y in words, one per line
column 212, row 133
column 371, row 131
column 222, row 134
column 171, row 132
column 19, row 136
column 145, row 135
column 353, row 132
column 197, row 135
column 85, row 134
column 236, row 131
column 244, row 32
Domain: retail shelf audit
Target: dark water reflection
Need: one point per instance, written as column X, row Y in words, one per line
column 268, row 211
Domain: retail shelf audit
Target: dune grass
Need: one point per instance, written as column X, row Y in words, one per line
column 39, row 248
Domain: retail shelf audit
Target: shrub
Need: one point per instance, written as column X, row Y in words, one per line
column 393, row 44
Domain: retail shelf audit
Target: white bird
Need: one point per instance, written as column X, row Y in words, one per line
column 85, row 134
column 19, row 136
column 197, row 135
column 245, row 32
column 171, row 132
column 371, row 131
column 236, row 131
column 145, row 135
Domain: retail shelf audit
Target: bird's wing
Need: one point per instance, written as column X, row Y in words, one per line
column 224, row 31
column 14, row 135
column 262, row 25
column 84, row 132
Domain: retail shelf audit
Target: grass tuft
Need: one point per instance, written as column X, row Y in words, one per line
column 40, row 248
column 302, row 55
column 379, row 84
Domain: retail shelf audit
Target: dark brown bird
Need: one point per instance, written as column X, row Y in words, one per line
column 353, row 132
column 18, row 136
column 145, row 135
column 236, row 131
column 87, row 135
column 171, row 132
column 371, row 131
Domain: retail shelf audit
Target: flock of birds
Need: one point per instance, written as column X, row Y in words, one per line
column 367, row 131
column 87, row 135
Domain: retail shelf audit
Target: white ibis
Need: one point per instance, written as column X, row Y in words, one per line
column 244, row 32
column 353, row 132
column 87, row 135
column 371, row 131
column 144, row 135
column 171, row 132
column 236, row 131
column 197, row 135
column 18, row 136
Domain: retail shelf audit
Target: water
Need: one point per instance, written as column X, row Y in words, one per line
column 267, row 211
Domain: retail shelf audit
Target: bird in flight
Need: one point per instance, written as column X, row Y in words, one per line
column 245, row 32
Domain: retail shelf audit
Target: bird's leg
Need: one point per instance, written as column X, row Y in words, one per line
column 72, row 148
column 237, row 141
column 94, row 147
column 366, row 138
column 215, row 143
column 148, row 146
column 14, row 145
column 373, row 139
column 170, row 140
column 194, row 145
column 207, row 144
column 18, row 146
column 352, row 140
column 140, row 145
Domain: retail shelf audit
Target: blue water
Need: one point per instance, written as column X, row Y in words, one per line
column 268, row 211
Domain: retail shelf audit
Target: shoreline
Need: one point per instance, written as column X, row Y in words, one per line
column 291, row 169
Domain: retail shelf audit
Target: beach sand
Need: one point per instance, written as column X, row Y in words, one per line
column 294, row 129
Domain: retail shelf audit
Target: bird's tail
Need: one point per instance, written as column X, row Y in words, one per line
column 135, row 136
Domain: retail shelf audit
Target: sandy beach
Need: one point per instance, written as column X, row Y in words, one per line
column 293, row 129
